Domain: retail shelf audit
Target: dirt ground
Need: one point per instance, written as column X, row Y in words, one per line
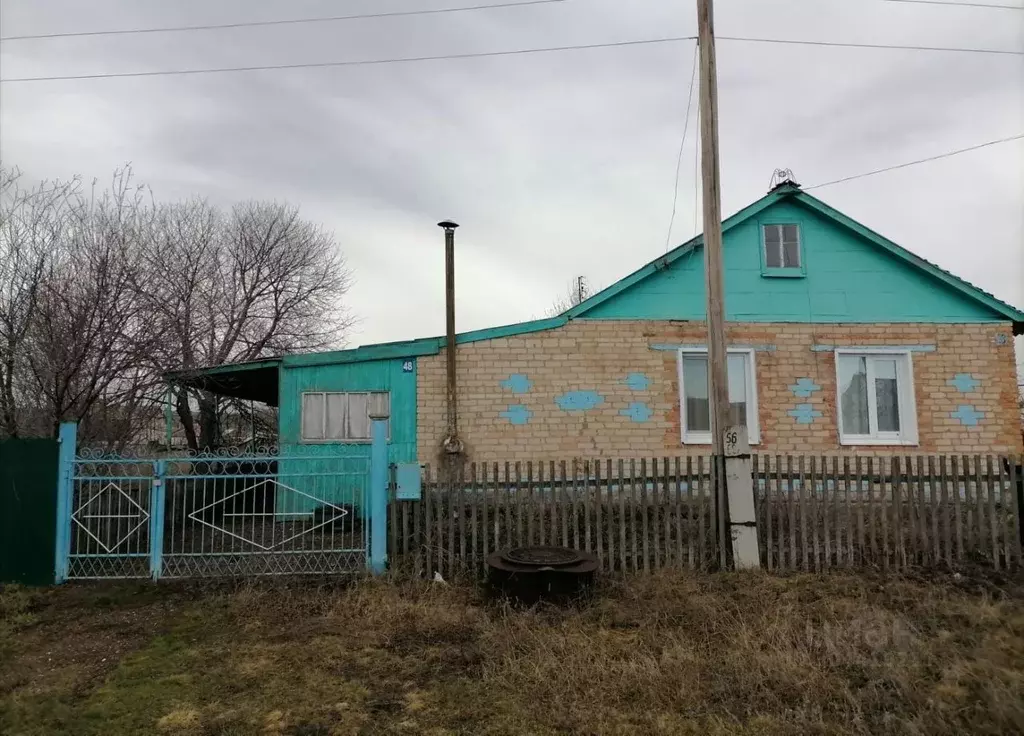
column 670, row 653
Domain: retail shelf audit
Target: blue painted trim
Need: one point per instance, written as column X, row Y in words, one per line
column 383, row 351
column 783, row 273
column 157, row 496
column 674, row 346
column 422, row 346
column 824, row 348
column 377, row 560
column 520, row 328
column 67, row 438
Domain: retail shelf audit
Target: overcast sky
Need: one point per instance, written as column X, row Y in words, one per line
column 555, row 164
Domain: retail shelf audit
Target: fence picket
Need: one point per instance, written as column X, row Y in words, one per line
column 923, row 521
column 805, row 551
column 979, row 502
column 969, row 506
column 993, row 523
column 474, row 497
column 1015, row 467
column 700, row 513
column 622, row 516
column 947, row 537
column 645, row 541
column 769, row 513
column 933, row 507
column 813, row 509
column 958, row 513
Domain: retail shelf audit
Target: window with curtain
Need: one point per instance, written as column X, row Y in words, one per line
column 342, row 416
column 695, row 401
column 875, row 398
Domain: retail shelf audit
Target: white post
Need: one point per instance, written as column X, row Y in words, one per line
column 740, row 488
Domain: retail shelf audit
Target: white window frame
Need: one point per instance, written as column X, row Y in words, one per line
column 323, row 440
column 907, row 436
column 753, row 421
column 782, row 250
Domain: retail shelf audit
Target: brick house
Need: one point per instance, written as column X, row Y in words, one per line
column 840, row 341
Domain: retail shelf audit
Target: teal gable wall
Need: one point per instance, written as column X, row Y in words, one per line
column 332, row 476
column 849, row 279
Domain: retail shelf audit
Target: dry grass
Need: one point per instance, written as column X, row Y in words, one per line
column 663, row 654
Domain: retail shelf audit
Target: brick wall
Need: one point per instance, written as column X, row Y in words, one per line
column 502, row 419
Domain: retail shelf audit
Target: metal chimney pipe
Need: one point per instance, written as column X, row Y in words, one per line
column 452, row 444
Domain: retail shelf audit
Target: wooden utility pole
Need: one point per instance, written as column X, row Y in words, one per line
column 713, row 282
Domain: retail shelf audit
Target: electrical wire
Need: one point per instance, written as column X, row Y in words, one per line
column 356, row 62
column 483, row 54
column 682, row 144
column 958, row 4
column 750, row 39
column 914, row 163
column 281, row 22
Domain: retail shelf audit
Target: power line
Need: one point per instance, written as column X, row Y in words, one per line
column 682, row 143
column 356, row 62
column 868, row 45
column 958, row 4
column 281, row 22
column 919, row 161
column 482, row 54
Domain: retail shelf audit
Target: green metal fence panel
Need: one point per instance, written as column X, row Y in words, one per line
column 28, row 509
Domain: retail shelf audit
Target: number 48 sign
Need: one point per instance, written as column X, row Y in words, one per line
column 407, row 366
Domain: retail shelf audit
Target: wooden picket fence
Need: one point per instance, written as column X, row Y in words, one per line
column 814, row 513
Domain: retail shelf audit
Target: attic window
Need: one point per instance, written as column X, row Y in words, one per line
column 782, row 254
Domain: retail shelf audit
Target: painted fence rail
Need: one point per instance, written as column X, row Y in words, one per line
column 814, row 513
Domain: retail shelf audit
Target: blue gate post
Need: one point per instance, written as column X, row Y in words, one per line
column 378, row 493
column 156, row 519
column 68, row 438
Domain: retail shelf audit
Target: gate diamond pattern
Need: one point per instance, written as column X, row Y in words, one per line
column 105, row 518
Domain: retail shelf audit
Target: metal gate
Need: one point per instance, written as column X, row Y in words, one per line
column 303, row 509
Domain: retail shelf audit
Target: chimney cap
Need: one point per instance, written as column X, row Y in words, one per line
column 448, row 224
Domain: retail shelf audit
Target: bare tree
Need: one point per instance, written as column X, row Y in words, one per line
column 100, row 294
column 576, row 292
column 89, row 331
column 238, row 286
column 32, row 224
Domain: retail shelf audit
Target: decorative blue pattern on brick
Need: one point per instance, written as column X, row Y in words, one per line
column 517, row 414
column 804, row 387
column 967, row 415
column 579, row 400
column 964, row 382
column 637, row 381
column 517, row 383
column 638, row 411
column 804, row 413
column 1001, row 339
